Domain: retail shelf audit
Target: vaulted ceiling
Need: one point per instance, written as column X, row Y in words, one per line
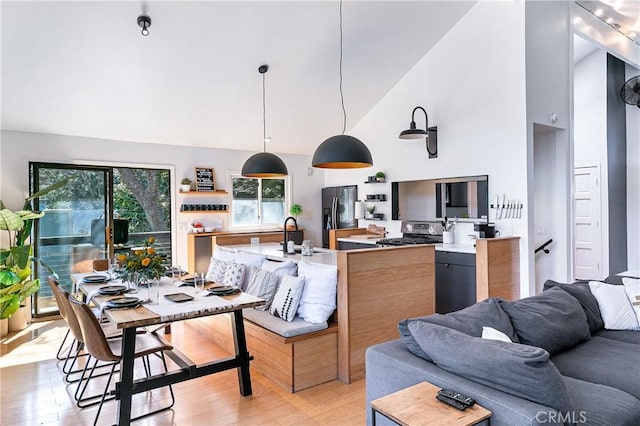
column 83, row 68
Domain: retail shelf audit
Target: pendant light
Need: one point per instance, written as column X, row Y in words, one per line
column 264, row 164
column 342, row 151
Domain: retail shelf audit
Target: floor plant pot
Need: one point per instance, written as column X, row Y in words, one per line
column 4, row 327
column 20, row 320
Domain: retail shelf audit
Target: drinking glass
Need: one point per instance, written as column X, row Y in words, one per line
column 132, row 282
column 199, row 282
column 175, row 273
column 154, row 292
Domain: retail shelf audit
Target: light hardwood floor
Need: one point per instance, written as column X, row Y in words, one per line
column 32, row 390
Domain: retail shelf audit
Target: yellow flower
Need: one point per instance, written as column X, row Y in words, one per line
column 151, row 251
column 152, row 240
column 122, row 257
column 145, row 262
column 138, row 252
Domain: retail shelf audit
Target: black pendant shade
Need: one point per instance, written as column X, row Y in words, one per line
column 264, row 164
column 342, row 152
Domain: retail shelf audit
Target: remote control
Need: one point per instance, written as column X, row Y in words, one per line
column 452, row 402
column 457, row 396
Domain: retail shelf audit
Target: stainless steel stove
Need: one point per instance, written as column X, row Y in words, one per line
column 414, row 232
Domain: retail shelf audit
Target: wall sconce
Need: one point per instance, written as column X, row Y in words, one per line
column 431, row 133
column 144, row 22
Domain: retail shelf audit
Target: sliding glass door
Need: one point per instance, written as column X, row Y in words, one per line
column 99, row 212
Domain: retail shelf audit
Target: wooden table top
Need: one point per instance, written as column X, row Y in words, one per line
column 417, row 405
column 142, row 316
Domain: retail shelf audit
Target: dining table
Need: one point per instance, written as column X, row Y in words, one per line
column 198, row 303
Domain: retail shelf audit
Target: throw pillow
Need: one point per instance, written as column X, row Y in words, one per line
column 216, row 270
column 581, row 291
column 615, row 307
column 469, row 320
column 552, row 320
column 223, row 253
column 491, row 333
column 287, row 298
column 281, row 268
column 252, row 261
column 234, row 275
column 521, row 370
column 263, row 284
column 319, row 296
column 632, row 287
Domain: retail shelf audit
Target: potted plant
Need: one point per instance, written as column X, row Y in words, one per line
column 185, row 185
column 371, row 210
column 447, row 230
column 380, row 176
column 16, row 283
column 295, row 210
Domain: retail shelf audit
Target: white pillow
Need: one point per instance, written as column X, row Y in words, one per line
column 319, row 296
column 632, row 288
column 253, row 259
column 491, row 333
column 287, row 298
column 223, row 253
column 263, row 284
column 281, row 268
column 216, row 270
column 234, row 275
column 614, row 305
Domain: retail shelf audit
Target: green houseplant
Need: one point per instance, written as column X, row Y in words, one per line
column 16, row 283
column 185, row 185
column 295, row 210
column 380, row 176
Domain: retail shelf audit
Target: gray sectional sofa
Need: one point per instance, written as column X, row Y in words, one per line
column 567, row 368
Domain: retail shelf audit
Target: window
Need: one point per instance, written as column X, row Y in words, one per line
column 258, row 201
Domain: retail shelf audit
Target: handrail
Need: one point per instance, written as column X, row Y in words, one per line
column 542, row 247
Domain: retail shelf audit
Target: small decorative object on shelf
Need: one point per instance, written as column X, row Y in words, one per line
column 380, row 177
column 370, row 210
column 205, row 179
column 197, row 227
column 185, row 185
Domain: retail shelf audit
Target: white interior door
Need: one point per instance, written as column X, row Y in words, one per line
column 587, row 223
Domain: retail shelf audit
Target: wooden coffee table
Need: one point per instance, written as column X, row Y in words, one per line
column 417, row 405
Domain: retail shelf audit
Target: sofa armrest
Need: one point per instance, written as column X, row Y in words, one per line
column 390, row 367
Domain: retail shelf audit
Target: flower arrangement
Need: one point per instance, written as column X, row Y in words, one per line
column 144, row 260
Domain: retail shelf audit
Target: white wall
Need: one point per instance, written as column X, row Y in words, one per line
column 633, row 180
column 472, row 84
column 19, row 148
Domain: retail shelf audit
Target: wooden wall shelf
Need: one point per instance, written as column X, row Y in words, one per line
column 210, row 193
column 205, row 211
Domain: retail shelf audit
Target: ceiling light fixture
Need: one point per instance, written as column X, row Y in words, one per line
column 342, row 151
column 264, row 164
column 431, row 134
column 144, row 22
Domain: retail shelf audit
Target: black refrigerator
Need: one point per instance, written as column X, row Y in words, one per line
column 338, row 209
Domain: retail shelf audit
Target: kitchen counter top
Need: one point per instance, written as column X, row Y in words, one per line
column 361, row 239
column 457, row 248
column 273, row 251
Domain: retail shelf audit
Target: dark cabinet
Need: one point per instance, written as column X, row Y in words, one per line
column 455, row 281
column 346, row 245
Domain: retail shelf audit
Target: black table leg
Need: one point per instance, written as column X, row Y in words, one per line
column 240, row 343
column 125, row 387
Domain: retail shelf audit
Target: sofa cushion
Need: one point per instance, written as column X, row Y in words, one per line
column 521, row 370
column 281, row 269
column 287, row 298
column 552, row 320
column 217, row 269
column 581, row 291
column 632, row 288
column 596, row 404
column 493, row 334
column 617, row 311
column 296, row 327
column 320, row 289
column 605, row 361
column 224, row 253
column 234, row 275
column 629, row 336
column 470, row 320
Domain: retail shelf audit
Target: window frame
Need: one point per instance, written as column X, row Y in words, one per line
column 259, row 226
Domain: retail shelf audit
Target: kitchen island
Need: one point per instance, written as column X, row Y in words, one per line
column 274, row 251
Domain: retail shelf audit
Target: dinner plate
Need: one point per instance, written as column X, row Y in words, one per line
column 191, row 281
column 112, row 289
column 178, row 297
column 95, row 279
column 123, row 302
column 223, row 290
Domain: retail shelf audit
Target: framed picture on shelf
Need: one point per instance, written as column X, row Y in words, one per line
column 205, row 179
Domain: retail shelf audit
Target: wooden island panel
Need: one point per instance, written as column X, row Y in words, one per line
column 377, row 288
column 334, row 234
column 498, row 268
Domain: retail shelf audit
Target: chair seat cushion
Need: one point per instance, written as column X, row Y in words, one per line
column 279, row 326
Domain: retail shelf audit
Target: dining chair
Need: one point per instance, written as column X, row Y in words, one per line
column 101, row 264
column 110, row 350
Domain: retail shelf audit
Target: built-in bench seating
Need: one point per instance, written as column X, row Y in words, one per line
column 296, row 355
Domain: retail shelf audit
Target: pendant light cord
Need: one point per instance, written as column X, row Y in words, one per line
column 264, row 117
column 344, row 111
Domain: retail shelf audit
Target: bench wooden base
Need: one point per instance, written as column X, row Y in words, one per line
column 294, row 363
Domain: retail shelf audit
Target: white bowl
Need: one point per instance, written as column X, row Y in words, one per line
column 208, row 229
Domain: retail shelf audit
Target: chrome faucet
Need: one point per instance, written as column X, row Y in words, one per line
column 295, row 223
